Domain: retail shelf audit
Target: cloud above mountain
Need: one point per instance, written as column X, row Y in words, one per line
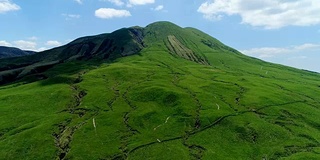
column 109, row 13
column 141, row 2
column 269, row 52
column 78, row 1
column 269, row 14
column 6, row 6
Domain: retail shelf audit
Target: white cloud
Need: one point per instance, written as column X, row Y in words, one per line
column 269, row 52
column 25, row 45
column 307, row 46
column 108, row 13
column 141, row 2
column 269, row 14
column 33, row 38
column 265, row 52
column 159, row 8
column 78, row 1
column 5, row 43
column 116, row 2
column 30, row 44
column 42, row 49
column 71, row 16
column 297, row 58
column 53, row 43
column 6, row 6
column 129, row 5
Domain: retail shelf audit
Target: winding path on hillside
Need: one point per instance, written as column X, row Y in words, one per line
column 80, row 116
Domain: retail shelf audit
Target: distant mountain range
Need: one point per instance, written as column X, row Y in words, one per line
column 7, row 52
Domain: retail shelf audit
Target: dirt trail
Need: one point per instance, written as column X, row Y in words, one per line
column 240, row 93
column 196, row 151
column 63, row 138
column 185, row 137
column 130, row 131
column 192, row 148
column 116, row 93
column 66, row 129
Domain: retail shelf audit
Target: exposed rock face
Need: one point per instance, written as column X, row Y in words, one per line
column 176, row 47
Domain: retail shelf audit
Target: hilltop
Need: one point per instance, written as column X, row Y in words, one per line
column 156, row 92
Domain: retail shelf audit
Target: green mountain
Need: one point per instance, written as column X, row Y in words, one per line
column 7, row 52
column 158, row 92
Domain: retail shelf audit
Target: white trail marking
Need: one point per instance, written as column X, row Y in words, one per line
column 218, row 106
column 167, row 119
column 162, row 123
column 94, row 123
column 157, row 127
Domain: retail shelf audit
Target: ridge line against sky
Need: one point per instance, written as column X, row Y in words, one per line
column 285, row 32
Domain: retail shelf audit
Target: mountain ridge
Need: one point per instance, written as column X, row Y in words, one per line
column 120, row 43
column 7, row 52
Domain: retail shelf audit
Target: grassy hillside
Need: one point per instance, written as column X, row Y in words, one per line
column 185, row 95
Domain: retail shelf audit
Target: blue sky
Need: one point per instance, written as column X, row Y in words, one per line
column 279, row 31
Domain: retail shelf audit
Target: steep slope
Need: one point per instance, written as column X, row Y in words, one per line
column 7, row 52
column 183, row 95
column 120, row 43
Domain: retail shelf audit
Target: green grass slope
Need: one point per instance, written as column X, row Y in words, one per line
column 187, row 97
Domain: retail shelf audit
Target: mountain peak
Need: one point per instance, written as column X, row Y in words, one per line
column 162, row 24
column 161, row 36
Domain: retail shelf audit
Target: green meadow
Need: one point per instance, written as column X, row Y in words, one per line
column 185, row 95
